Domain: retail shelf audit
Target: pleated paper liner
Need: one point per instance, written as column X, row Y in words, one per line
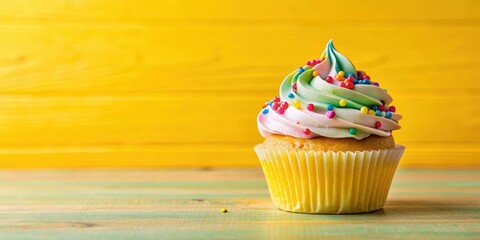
column 329, row 182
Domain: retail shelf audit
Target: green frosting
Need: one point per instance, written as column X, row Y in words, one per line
column 338, row 61
column 316, row 90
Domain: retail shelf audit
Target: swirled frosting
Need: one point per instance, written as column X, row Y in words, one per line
column 328, row 97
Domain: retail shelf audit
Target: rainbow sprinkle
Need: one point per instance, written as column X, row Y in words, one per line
column 297, row 104
column 364, row 110
column 388, row 115
column 310, row 107
column 352, row 131
column 330, row 114
column 306, row 131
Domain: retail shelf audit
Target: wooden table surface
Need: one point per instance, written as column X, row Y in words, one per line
column 185, row 204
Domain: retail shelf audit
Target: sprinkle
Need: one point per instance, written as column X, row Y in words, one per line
column 392, row 109
column 366, row 77
column 310, row 107
column 330, row 114
column 366, row 81
column 329, row 107
column 350, row 79
column 343, row 103
column 297, row 104
column 270, row 103
column 294, row 87
column 265, row 111
column 280, row 110
column 329, row 79
column 355, row 81
column 276, row 99
column 349, row 85
column 284, row 105
column 352, row 131
column 343, row 85
column 351, row 75
column 381, row 108
column 290, row 95
column 309, row 63
column 375, row 108
column 364, row 110
column 275, row 106
column 314, row 73
column 388, row 115
column 266, row 104
column 378, row 113
column 339, row 77
column 378, row 124
column 341, row 73
column 360, row 81
column 301, row 70
column 297, row 122
column 223, row 210
column 306, row 131
column 376, row 84
column 371, row 112
column 360, row 73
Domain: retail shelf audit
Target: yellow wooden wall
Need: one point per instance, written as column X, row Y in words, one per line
column 179, row 83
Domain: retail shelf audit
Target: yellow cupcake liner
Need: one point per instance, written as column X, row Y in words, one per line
column 329, row 182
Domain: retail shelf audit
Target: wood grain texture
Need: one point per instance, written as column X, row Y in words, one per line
column 185, row 204
column 101, row 83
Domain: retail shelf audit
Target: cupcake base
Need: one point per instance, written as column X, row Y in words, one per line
column 329, row 182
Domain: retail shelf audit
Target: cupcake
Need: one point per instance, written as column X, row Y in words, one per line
column 328, row 139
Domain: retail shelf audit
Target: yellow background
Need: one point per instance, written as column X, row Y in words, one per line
column 179, row 83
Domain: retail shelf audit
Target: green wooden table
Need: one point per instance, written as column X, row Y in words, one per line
column 185, row 204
